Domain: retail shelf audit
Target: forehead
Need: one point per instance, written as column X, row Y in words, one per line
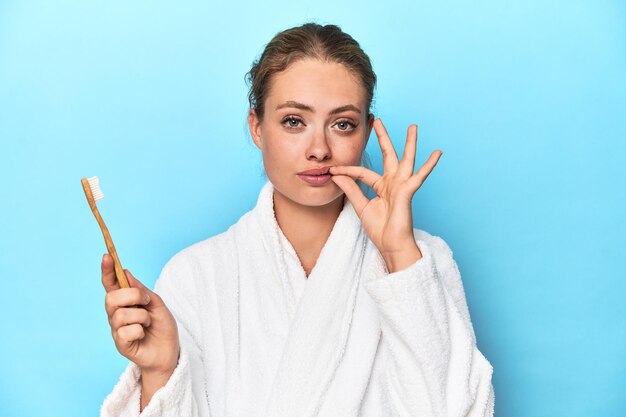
column 319, row 84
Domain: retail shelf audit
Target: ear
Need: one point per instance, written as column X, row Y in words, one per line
column 254, row 124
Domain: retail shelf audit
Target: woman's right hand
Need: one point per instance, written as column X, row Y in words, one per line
column 142, row 326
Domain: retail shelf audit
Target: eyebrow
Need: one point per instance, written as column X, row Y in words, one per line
column 301, row 106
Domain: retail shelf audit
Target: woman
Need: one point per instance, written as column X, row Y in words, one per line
column 319, row 301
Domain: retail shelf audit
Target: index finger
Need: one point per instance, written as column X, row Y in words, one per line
column 109, row 280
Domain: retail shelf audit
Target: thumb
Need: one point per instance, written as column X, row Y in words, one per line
column 352, row 191
column 155, row 300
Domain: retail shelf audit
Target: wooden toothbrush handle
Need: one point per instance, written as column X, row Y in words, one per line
column 119, row 271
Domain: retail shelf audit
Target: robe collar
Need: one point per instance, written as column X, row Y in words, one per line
column 321, row 318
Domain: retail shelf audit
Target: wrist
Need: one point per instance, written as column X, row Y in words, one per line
column 399, row 260
column 154, row 378
column 151, row 382
column 156, row 374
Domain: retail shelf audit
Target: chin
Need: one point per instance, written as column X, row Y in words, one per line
column 319, row 202
column 307, row 195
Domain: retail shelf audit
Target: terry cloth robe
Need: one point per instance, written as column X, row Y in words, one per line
column 258, row 338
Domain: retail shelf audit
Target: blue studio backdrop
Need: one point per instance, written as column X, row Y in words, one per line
column 527, row 100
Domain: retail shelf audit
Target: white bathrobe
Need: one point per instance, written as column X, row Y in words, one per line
column 259, row 339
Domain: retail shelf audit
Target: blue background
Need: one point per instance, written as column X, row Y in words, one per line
column 526, row 99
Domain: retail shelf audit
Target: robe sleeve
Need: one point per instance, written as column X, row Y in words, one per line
column 183, row 394
column 432, row 364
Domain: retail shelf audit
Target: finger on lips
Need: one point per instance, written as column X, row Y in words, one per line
column 357, row 172
column 353, row 192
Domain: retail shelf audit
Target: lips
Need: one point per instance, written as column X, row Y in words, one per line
column 316, row 177
column 316, row 171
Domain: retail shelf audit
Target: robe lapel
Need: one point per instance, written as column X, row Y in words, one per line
column 322, row 319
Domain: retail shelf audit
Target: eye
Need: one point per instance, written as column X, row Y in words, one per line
column 345, row 125
column 292, row 122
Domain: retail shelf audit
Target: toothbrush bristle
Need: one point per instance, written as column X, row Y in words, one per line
column 94, row 184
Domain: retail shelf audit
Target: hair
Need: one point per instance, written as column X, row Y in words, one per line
column 327, row 43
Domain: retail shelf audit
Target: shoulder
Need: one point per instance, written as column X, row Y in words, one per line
column 193, row 268
column 203, row 254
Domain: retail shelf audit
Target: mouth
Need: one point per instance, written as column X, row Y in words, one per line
column 318, row 176
column 316, row 172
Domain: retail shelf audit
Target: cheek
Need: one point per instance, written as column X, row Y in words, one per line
column 279, row 151
column 349, row 153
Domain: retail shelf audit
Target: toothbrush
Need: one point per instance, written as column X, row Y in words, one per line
column 91, row 186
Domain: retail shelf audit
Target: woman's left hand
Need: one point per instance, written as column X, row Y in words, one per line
column 387, row 218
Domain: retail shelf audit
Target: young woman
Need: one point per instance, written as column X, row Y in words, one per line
column 319, row 301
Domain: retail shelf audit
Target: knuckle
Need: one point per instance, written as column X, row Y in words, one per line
column 118, row 334
column 115, row 321
column 109, row 300
column 122, row 334
column 136, row 295
column 136, row 331
column 145, row 317
column 128, row 333
column 113, row 326
column 121, row 317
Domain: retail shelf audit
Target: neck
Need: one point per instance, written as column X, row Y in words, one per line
column 307, row 228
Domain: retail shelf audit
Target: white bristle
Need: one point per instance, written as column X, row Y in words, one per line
column 94, row 184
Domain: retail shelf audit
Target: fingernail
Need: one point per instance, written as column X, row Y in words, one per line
column 146, row 298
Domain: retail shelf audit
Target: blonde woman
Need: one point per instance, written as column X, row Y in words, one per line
column 319, row 301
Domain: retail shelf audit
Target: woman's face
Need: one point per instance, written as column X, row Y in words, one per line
column 315, row 117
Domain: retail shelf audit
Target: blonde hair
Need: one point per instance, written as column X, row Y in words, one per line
column 311, row 40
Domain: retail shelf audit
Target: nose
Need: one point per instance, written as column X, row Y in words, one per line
column 318, row 149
